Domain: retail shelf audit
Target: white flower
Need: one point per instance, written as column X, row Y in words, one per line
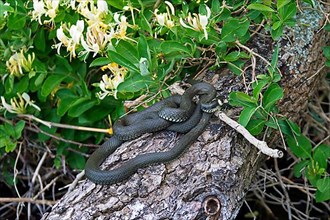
column 198, row 22
column 18, row 63
column 76, row 31
column 122, row 24
column 45, row 7
column 28, row 101
column 102, row 6
column 38, row 10
column 109, row 84
column 72, row 41
column 164, row 19
column 19, row 106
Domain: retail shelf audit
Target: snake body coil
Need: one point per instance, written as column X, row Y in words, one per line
column 175, row 113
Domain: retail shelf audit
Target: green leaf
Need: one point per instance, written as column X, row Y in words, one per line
column 299, row 167
column 144, row 24
column 16, row 21
column 65, row 104
column 322, row 155
column 236, row 66
column 51, row 83
column 221, row 49
column 119, row 4
column 173, row 46
column 10, row 146
column 255, row 126
column 285, row 127
column 288, row 12
column 234, row 29
column 137, row 83
column 272, row 69
column 241, row 99
column 294, row 127
column 22, row 85
column 62, row 65
column 300, row 146
column 80, row 106
column 18, row 129
column 76, row 161
column 127, row 50
column 100, row 61
column 5, row 8
column 327, row 27
column 276, row 34
column 40, row 40
column 9, row 129
column 327, row 63
column 246, row 115
column 326, row 52
column 281, row 3
column 260, row 7
column 235, row 55
column 257, row 88
column 277, row 24
column 66, row 100
column 143, row 48
column 323, row 184
column 119, row 59
column 9, row 84
column 271, row 96
column 322, row 196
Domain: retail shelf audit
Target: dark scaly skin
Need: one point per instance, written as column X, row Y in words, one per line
column 134, row 125
column 96, row 175
column 186, row 105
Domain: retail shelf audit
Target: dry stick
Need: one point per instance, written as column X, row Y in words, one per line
column 53, row 124
column 75, row 181
column 261, row 145
column 286, row 194
column 45, row 188
column 36, row 172
column 37, row 130
column 29, row 200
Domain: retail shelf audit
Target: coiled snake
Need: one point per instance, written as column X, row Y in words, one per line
column 175, row 113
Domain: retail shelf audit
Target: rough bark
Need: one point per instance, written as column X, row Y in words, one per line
column 211, row 179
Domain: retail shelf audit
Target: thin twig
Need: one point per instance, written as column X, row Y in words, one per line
column 29, row 200
column 53, row 124
column 36, row 172
column 261, row 145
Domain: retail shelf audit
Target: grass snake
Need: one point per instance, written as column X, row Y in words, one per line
column 175, row 113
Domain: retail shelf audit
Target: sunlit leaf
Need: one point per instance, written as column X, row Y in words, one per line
column 300, row 146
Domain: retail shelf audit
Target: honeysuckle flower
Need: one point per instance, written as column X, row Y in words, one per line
column 165, row 19
column 38, row 10
column 197, row 22
column 45, row 7
column 70, row 42
column 96, row 41
column 109, row 84
column 18, row 63
column 64, row 40
column 19, row 106
column 52, row 7
column 102, row 6
column 122, row 24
